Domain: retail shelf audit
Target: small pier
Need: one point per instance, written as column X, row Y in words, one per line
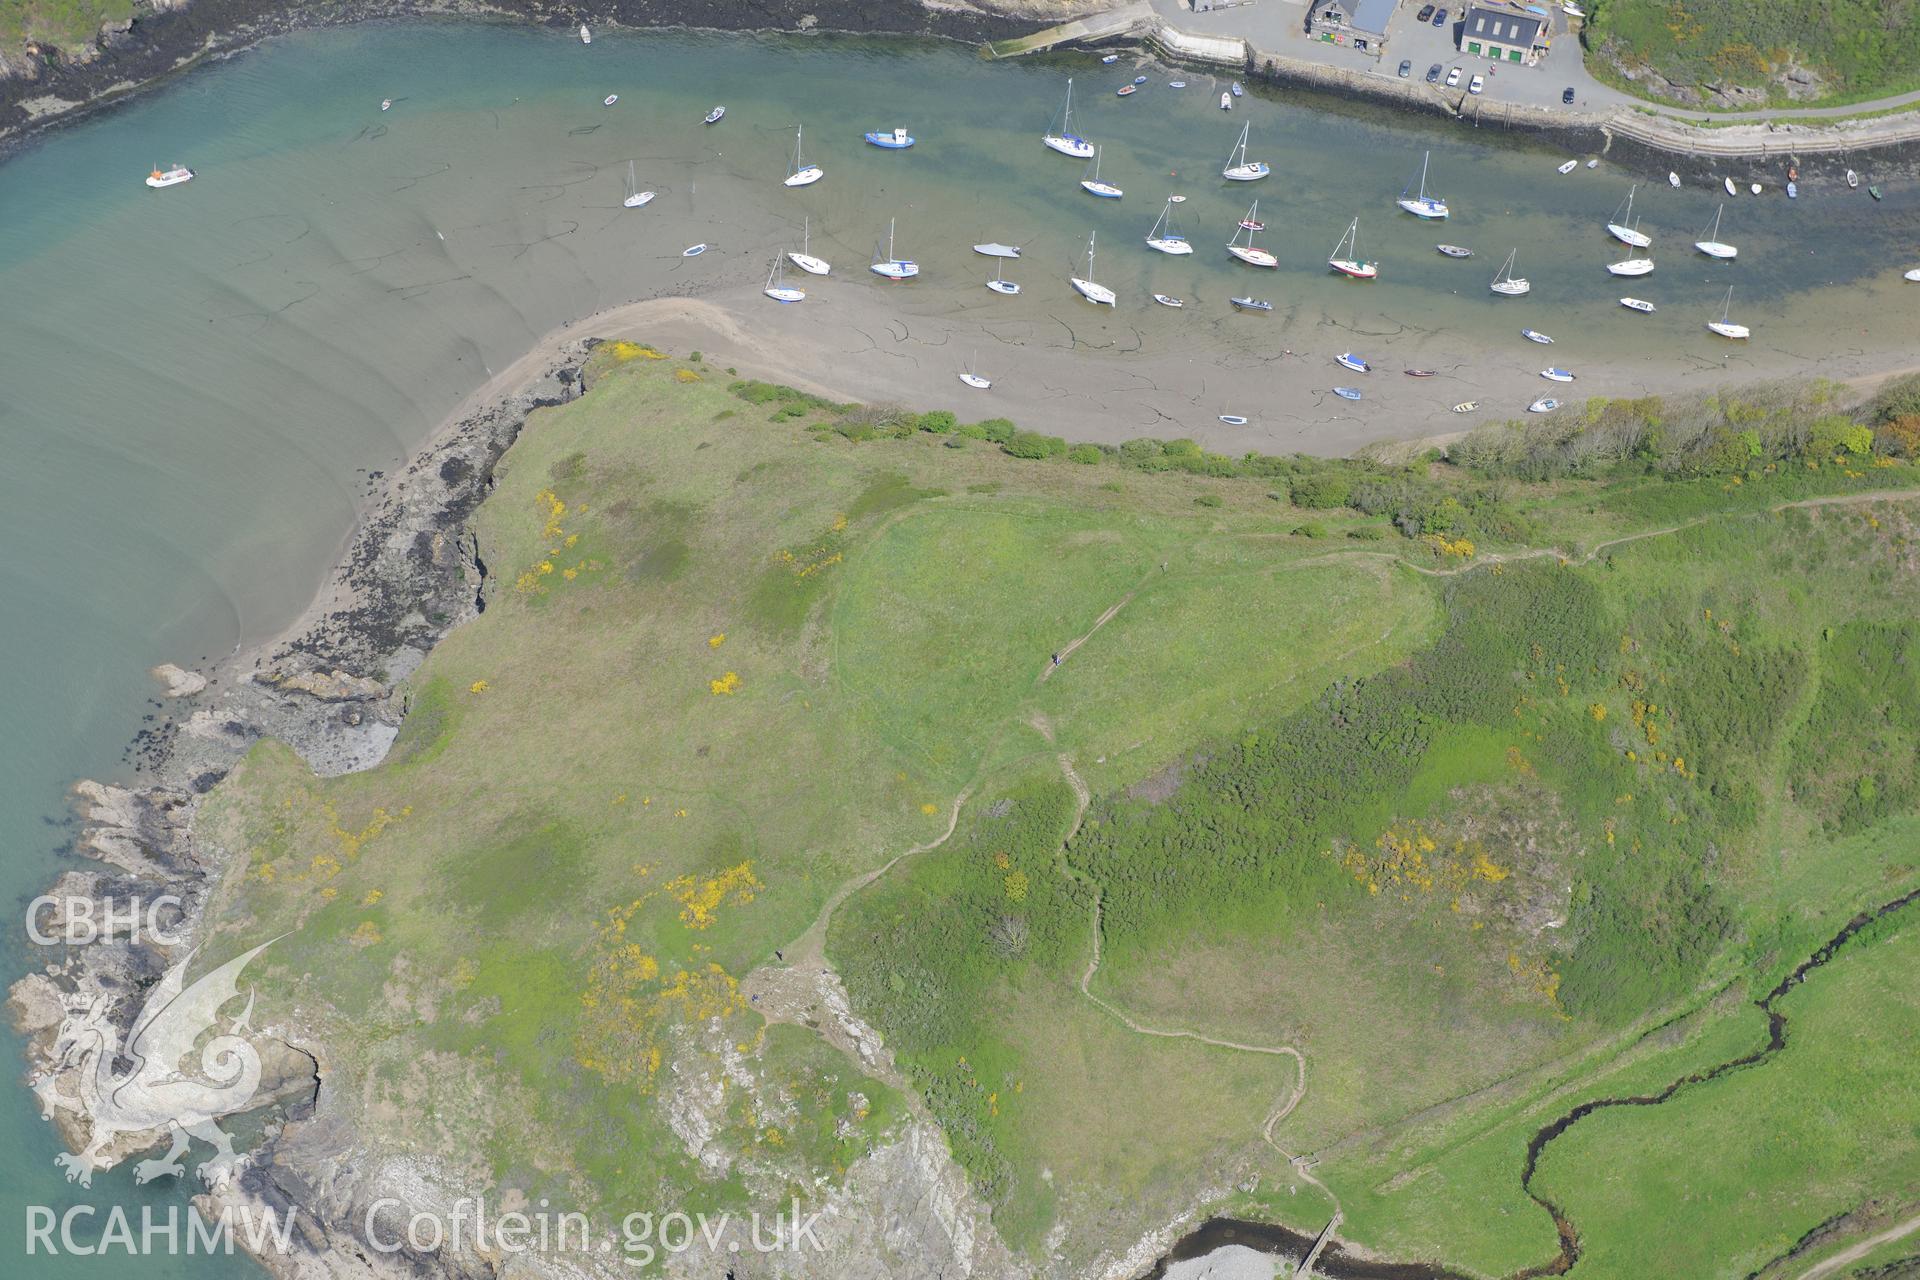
column 1096, row 26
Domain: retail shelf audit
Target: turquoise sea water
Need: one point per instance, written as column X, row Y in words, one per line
column 195, row 383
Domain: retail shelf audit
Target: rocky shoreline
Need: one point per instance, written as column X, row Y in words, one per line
column 327, row 688
column 166, row 37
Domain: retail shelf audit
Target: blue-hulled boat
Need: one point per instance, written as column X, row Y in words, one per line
column 891, row 140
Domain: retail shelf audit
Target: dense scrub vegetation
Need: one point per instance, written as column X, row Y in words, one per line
column 63, row 24
column 1854, row 758
column 1857, row 48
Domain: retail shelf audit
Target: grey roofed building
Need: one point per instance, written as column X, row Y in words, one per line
column 1502, row 34
column 1356, row 24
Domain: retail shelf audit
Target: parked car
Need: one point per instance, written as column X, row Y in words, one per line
column 1477, row 84
column 1406, row 67
column 1566, row 95
column 1433, row 73
column 1426, row 11
column 1453, row 78
column 1440, row 18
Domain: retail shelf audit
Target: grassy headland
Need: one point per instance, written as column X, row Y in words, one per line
column 1485, row 783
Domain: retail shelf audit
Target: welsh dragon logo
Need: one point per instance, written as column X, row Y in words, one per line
column 155, row 1094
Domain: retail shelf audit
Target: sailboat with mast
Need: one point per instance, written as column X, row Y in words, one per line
column 805, row 260
column 1000, row 283
column 1624, row 228
column 977, row 381
column 1711, row 244
column 892, row 267
column 1098, row 294
column 1239, row 168
column 1724, row 326
column 1063, row 139
column 800, row 173
column 1250, row 253
column 1507, row 284
column 1346, row 257
column 634, row 199
column 1164, row 238
column 777, row 287
column 1092, row 185
column 1423, row 205
column 1642, row 266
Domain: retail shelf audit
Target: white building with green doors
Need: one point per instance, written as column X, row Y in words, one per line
column 1500, row 34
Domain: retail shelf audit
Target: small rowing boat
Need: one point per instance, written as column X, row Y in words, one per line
column 1226, row 101
column 1853, row 180
column 1110, row 59
column 1167, row 301
column 386, row 104
column 1673, row 179
column 1454, row 251
column 1728, row 184
column 693, row 250
column 1233, row 420
column 1176, row 84
column 1139, row 79
column 586, row 36
column 607, row 101
column 1569, row 166
column 1250, row 224
column 1126, row 91
column 1421, row 373
column 1347, row 393
column 1874, row 192
column 1466, row 406
column 1237, row 90
column 1534, row 335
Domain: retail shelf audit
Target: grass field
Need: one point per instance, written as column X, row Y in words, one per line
column 1478, row 842
column 63, row 24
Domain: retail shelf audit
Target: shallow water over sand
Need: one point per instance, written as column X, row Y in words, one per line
column 195, row 383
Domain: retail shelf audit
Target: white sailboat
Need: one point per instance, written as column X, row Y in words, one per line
column 973, row 379
column 1239, row 169
column 1424, row 205
column 1507, row 284
column 1350, row 263
column 800, row 173
column 1098, row 294
column 1064, row 140
column 1249, row 253
column 1631, row 267
column 1000, row 283
column 634, row 198
column 1163, row 237
column 1092, row 185
column 891, row 267
column 1623, row 227
column 1711, row 244
column 804, row 259
column 777, row 287
column 1725, row 327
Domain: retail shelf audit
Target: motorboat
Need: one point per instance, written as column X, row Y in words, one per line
column 1534, row 335
column 1226, row 101
column 1092, row 185
column 1913, row 275
column 1250, row 253
column 607, row 101
column 1853, row 180
column 1236, row 89
column 1251, row 304
column 1110, row 59
column 1098, row 294
column 1793, row 190
column 1064, row 140
column 173, row 177
column 586, row 36
column 1569, row 166
column 1731, row 189
column 1557, row 375
column 1347, row 393
column 1673, row 179
column 800, row 173
column 1711, row 245
column 386, row 104
column 804, row 259
column 1176, row 84
column 890, row 140
column 1507, row 284
column 1239, row 168
column 1167, row 301
column 1545, row 404
column 1424, row 205
column 1348, row 360
column 1454, row 251
column 715, row 116
column 1638, row 304
column 1126, row 91
column 891, row 267
column 1164, row 238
